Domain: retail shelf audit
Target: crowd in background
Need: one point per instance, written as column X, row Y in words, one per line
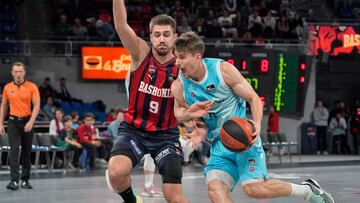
column 242, row 19
column 337, row 130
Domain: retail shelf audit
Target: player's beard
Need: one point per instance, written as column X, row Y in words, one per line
column 162, row 52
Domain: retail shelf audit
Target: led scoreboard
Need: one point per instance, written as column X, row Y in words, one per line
column 279, row 78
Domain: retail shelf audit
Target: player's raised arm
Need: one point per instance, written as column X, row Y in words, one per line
column 134, row 45
column 241, row 87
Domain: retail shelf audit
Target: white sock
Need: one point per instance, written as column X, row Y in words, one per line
column 299, row 190
column 149, row 169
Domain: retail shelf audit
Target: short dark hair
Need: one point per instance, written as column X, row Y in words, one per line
column 89, row 115
column 74, row 114
column 190, row 42
column 67, row 118
column 163, row 19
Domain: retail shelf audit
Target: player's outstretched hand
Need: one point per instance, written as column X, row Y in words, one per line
column 196, row 136
column 199, row 109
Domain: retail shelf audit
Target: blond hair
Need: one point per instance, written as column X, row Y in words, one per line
column 190, row 42
column 18, row 64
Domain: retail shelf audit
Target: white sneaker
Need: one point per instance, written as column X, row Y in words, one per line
column 152, row 192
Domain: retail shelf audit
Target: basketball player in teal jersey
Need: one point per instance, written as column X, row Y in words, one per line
column 215, row 91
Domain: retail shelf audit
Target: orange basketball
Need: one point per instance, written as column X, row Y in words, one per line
column 236, row 134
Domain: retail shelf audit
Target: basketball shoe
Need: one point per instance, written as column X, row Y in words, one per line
column 317, row 194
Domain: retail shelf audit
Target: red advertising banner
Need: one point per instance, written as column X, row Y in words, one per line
column 335, row 40
column 105, row 63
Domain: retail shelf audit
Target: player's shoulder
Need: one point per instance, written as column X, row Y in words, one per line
column 213, row 60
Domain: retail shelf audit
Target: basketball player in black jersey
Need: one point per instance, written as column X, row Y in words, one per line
column 150, row 125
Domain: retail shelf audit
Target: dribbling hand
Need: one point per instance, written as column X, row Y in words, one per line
column 256, row 133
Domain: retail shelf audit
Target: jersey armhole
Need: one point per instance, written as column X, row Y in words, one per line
column 218, row 69
column 147, row 57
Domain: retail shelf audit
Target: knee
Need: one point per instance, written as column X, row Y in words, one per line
column 118, row 170
column 255, row 190
column 215, row 193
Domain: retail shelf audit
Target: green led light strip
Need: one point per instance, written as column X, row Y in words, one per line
column 278, row 103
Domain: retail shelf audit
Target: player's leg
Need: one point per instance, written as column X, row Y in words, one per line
column 171, row 173
column 310, row 190
column 168, row 155
column 221, row 173
column 219, row 183
column 149, row 170
column 256, row 182
column 126, row 153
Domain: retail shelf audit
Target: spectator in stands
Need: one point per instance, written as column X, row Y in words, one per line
column 67, row 140
column 246, row 9
column 240, row 23
column 255, row 25
column 63, row 28
column 183, row 26
column 114, row 126
column 208, row 19
column 310, row 16
column 110, row 116
column 263, row 10
column 56, row 124
column 334, row 111
column 269, row 25
column 248, row 39
column 46, row 90
column 86, row 137
column 78, row 29
column 204, row 9
column 293, row 22
column 320, row 116
column 192, row 12
column 214, row 30
column 104, row 29
column 227, row 26
column 273, row 125
column 91, row 27
column 177, row 7
column 355, row 125
column 337, row 129
column 199, row 27
column 300, row 30
column 345, row 112
column 75, row 120
column 64, row 93
column 49, row 108
column 283, row 29
column 162, row 8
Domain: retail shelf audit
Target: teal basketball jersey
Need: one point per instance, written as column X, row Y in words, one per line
column 226, row 103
